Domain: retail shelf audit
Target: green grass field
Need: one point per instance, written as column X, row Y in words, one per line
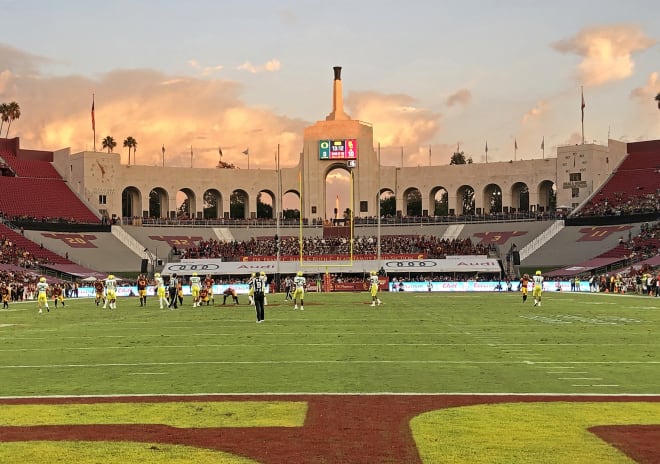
column 414, row 343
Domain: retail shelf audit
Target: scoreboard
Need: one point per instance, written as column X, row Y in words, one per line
column 338, row 149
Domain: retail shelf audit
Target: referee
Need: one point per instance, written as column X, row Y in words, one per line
column 172, row 290
column 259, row 289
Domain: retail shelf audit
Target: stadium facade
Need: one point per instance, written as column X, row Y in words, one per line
column 340, row 142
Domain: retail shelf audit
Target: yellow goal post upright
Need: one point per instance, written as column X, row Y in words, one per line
column 316, row 264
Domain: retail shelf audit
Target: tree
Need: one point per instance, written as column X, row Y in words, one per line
column 154, row 204
column 388, row 206
column 291, row 214
column 13, row 113
column 441, row 206
column 130, row 143
column 414, row 203
column 264, row 210
column 237, row 202
column 210, row 205
column 468, row 201
column 183, row 211
column 4, row 115
column 458, row 158
column 109, row 143
column 657, row 98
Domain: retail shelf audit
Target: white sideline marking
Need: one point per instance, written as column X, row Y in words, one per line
column 564, row 372
column 594, row 385
column 580, row 378
column 147, row 373
column 196, row 363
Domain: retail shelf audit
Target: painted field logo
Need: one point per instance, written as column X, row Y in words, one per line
column 74, row 240
column 333, row 429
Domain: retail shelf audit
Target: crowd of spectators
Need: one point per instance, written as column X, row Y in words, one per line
column 621, row 204
column 18, row 256
column 431, row 246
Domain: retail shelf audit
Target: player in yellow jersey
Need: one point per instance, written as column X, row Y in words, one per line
column 373, row 289
column 42, row 295
column 111, row 292
column 538, row 288
column 195, row 283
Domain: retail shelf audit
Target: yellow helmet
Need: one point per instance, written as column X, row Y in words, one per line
column 538, row 272
column 373, row 272
column 194, row 274
column 300, row 273
column 262, row 273
column 254, row 274
column 157, row 274
column 111, row 277
column 43, row 279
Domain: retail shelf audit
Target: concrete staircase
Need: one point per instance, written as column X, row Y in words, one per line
column 541, row 240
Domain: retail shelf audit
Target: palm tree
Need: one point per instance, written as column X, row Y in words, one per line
column 657, row 98
column 4, row 115
column 109, row 143
column 131, row 143
column 13, row 113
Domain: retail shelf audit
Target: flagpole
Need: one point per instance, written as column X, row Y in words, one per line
column 378, row 211
column 93, row 123
column 191, row 156
column 543, row 147
column 401, row 156
column 278, row 209
column 163, row 155
column 486, row 150
column 582, row 110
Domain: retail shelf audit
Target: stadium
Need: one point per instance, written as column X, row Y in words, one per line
column 450, row 246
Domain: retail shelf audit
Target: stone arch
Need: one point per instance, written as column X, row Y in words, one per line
column 212, row 204
column 291, row 204
column 412, row 202
column 337, row 193
column 186, row 204
column 520, row 196
column 266, row 204
column 387, row 202
column 131, row 202
column 546, row 196
column 438, row 201
column 465, row 204
column 159, row 201
column 492, row 199
column 239, row 204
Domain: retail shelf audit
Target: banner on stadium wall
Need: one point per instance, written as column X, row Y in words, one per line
column 241, row 289
column 468, row 264
column 335, row 257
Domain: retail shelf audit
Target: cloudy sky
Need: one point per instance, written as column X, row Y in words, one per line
column 209, row 74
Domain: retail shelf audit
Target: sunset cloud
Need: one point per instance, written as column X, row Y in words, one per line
column 606, row 51
column 539, row 109
column 154, row 108
column 645, row 93
column 397, row 120
column 269, row 66
column 460, row 97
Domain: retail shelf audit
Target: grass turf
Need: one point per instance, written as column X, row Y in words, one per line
column 414, row 343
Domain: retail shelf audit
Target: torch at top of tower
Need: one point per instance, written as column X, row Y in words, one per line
column 337, row 99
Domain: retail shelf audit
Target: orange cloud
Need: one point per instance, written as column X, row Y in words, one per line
column 156, row 110
column 460, row 97
column 539, row 109
column 648, row 92
column 606, row 51
column 269, row 66
column 397, row 121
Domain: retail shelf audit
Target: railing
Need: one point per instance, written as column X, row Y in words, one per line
column 358, row 221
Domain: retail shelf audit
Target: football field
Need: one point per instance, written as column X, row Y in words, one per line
column 423, row 378
column 413, row 343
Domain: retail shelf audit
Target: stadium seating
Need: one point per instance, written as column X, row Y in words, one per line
column 42, row 199
column 41, row 254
